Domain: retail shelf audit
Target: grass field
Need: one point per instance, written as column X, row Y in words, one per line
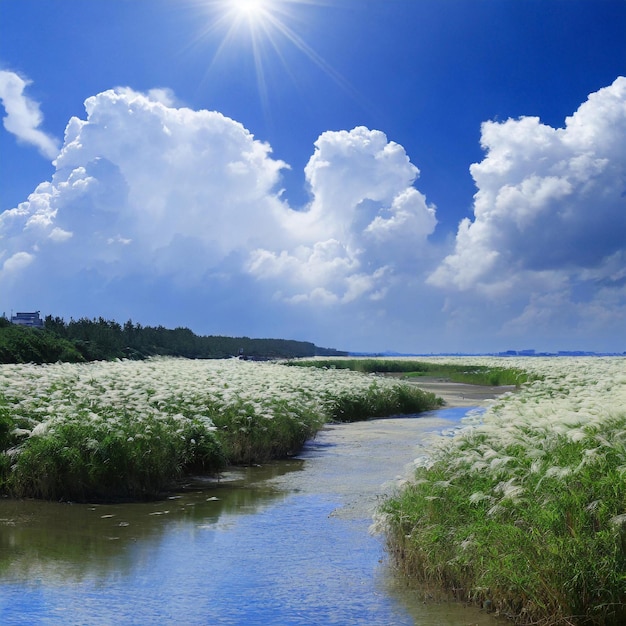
column 496, row 373
column 525, row 511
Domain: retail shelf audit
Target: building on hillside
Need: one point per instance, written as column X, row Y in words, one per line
column 27, row 319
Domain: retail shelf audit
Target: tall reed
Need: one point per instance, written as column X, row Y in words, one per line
column 128, row 428
column 463, row 371
column 525, row 512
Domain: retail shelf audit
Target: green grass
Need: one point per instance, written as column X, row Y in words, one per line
column 462, row 373
column 247, row 437
column 366, row 366
column 526, row 512
column 134, row 459
column 380, row 402
column 558, row 556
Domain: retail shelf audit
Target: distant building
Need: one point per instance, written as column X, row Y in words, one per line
column 27, row 319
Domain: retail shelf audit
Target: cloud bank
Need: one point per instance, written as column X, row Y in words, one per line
column 365, row 224
column 157, row 205
column 548, row 199
column 183, row 193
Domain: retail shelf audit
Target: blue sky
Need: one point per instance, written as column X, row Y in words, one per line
column 409, row 175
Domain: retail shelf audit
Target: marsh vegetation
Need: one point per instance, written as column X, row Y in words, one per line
column 128, row 429
column 494, row 374
column 524, row 512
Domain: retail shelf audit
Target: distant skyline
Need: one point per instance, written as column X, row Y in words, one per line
column 369, row 175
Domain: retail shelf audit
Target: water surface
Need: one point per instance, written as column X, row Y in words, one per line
column 285, row 544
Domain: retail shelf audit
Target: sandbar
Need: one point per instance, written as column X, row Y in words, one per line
column 460, row 394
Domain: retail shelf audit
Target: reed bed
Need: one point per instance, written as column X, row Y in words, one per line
column 523, row 510
column 472, row 373
column 127, row 429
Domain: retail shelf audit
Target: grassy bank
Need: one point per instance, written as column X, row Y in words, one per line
column 128, row 429
column 525, row 513
column 493, row 374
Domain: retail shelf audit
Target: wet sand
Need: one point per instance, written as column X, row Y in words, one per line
column 460, row 394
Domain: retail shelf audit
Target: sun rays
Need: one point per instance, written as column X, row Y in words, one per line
column 250, row 9
column 265, row 29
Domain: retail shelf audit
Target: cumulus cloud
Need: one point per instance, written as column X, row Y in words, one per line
column 548, row 237
column 23, row 117
column 365, row 222
column 155, row 202
column 548, row 199
column 16, row 262
column 151, row 197
column 145, row 186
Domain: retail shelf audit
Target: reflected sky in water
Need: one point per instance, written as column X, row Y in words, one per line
column 285, row 544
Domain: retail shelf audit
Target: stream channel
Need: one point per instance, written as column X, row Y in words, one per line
column 285, row 544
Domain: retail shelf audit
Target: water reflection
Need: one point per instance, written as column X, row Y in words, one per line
column 265, row 545
column 70, row 541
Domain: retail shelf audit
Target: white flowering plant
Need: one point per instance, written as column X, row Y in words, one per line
column 524, row 508
column 128, row 428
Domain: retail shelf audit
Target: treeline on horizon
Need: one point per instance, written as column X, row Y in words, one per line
column 100, row 339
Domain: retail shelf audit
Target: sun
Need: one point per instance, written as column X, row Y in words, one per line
column 264, row 28
column 250, row 9
column 254, row 12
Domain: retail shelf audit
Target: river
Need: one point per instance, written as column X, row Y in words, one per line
column 285, row 544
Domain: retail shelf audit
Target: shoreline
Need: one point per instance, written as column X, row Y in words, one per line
column 459, row 394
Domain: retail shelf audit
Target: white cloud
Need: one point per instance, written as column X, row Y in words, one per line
column 23, row 117
column 547, row 243
column 548, row 199
column 408, row 216
column 351, row 166
column 365, row 218
column 58, row 234
column 145, row 187
column 157, row 207
column 17, row 262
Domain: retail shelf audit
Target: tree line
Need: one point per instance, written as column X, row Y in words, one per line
column 101, row 339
